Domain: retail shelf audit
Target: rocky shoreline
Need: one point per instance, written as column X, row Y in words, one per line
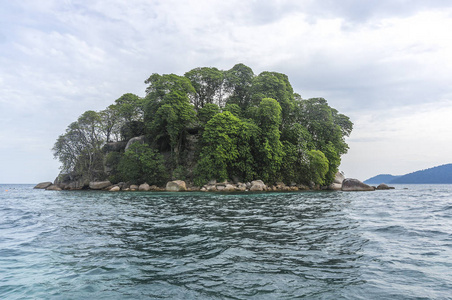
column 340, row 184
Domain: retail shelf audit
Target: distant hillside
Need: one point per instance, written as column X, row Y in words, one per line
column 382, row 178
column 439, row 174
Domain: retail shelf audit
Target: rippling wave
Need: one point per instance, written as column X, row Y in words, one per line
column 316, row 245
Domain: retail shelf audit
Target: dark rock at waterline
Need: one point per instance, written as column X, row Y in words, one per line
column 384, row 186
column 53, row 187
column 99, row 185
column 72, row 181
column 43, row 185
column 350, row 184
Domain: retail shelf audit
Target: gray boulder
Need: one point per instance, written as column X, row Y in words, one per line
column 43, row 185
column 144, row 187
column 75, row 185
column 350, row 184
column 155, row 188
column 229, row 188
column 337, row 183
column 53, row 187
column 384, row 186
column 335, row 186
column 72, row 181
column 99, row 185
column 339, row 178
column 257, row 185
column 240, row 187
column 176, row 186
column 211, row 188
column 302, row 187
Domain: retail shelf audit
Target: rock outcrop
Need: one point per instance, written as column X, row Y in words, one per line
column 384, row 186
column 240, row 187
column 72, row 181
column 176, row 186
column 53, row 187
column 337, row 183
column 350, row 184
column 99, row 185
column 229, row 188
column 257, row 186
column 144, row 187
column 43, row 185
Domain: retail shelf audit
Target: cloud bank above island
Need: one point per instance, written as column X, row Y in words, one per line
column 385, row 64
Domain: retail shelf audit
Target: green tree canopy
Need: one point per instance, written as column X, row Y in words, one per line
column 207, row 112
column 130, row 107
column 277, row 86
column 227, row 151
column 238, row 81
column 318, row 166
column 79, row 149
column 211, row 124
column 270, row 151
column 208, row 84
column 141, row 163
column 328, row 129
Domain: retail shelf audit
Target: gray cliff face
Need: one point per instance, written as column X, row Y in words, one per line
column 72, row 181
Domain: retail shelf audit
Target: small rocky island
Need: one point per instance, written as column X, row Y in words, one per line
column 208, row 130
column 340, row 183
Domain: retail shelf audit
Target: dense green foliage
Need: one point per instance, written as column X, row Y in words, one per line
column 210, row 124
column 141, row 164
column 226, row 150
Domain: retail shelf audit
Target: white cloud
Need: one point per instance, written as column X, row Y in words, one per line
column 382, row 63
column 399, row 140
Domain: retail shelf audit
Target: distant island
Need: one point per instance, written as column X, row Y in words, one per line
column 436, row 175
column 207, row 125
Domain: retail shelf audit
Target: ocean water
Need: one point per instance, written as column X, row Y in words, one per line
column 393, row 244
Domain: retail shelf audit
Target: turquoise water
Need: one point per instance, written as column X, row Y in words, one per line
column 393, row 244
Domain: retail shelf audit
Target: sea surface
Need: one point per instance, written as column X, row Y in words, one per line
column 394, row 244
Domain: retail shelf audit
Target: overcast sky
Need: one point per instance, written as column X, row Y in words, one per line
column 387, row 64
